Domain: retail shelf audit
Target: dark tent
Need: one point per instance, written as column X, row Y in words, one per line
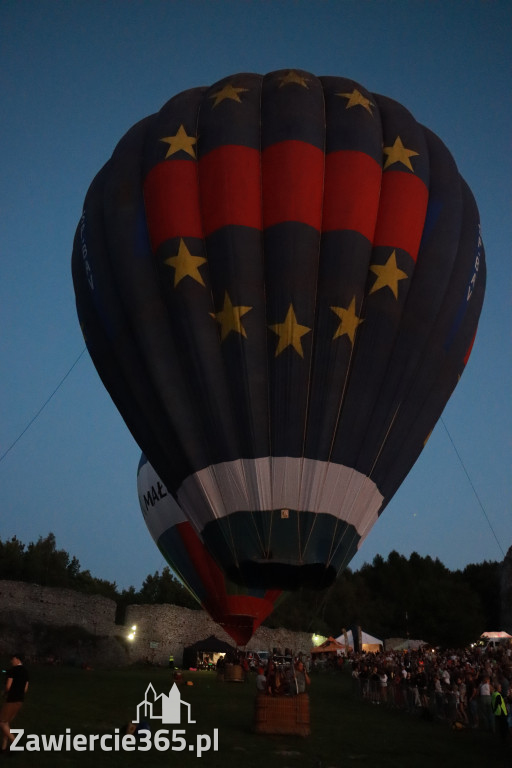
column 194, row 655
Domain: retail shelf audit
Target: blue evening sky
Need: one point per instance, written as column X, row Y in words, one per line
column 74, row 77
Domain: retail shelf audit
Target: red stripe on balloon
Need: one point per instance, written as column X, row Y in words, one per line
column 256, row 608
column 207, row 569
column 402, row 210
column 469, row 350
column 229, row 192
column 293, row 183
column 230, row 188
column 272, row 594
column 352, row 192
column 171, row 197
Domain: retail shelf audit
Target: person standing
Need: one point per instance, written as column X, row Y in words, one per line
column 16, row 686
column 486, row 712
column 301, row 679
column 383, row 678
column 261, row 681
column 500, row 711
column 472, row 699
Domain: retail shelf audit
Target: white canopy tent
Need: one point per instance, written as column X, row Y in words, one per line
column 502, row 635
column 405, row 645
column 368, row 642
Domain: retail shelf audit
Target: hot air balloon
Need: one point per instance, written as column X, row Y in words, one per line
column 239, row 611
column 279, row 280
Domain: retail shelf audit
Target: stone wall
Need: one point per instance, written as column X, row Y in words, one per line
column 57, row 607
column 168, row 629
column 161, row 630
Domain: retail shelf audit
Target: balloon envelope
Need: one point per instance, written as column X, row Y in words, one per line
column 279, row 280
column 239, row 611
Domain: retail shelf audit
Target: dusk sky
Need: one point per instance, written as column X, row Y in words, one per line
column 75, row 76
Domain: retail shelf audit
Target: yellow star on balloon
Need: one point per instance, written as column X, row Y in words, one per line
column 185, row 264
column 399, row 154
column 180, row 141
column 293, row 77
column 349, row 321
column 230, row 318
column 356, row 99
column 388, row 275
column 228, row 92
column 290, row 333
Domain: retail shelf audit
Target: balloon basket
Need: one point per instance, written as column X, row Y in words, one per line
column 233, row 673
column 286, row 715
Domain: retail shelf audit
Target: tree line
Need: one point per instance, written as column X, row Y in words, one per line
column 416, row 597
column 41, row 562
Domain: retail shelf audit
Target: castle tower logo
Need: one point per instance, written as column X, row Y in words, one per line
column 167, row 708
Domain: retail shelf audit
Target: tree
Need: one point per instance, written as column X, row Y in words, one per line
column 485, row 579
column 12, row 554
column 415, row 596
column 165, row 588
column 399, row 597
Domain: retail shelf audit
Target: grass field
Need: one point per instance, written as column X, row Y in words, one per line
column 345, row 731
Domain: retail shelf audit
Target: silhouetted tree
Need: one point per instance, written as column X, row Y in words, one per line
column 399, row 597
column 11, row 559
column 165, row 588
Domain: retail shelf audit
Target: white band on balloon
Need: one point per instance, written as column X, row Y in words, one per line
column 281, row 483
column 158, row 506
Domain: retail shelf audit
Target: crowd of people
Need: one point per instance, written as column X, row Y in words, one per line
column 283, row 680
column 470, row 688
